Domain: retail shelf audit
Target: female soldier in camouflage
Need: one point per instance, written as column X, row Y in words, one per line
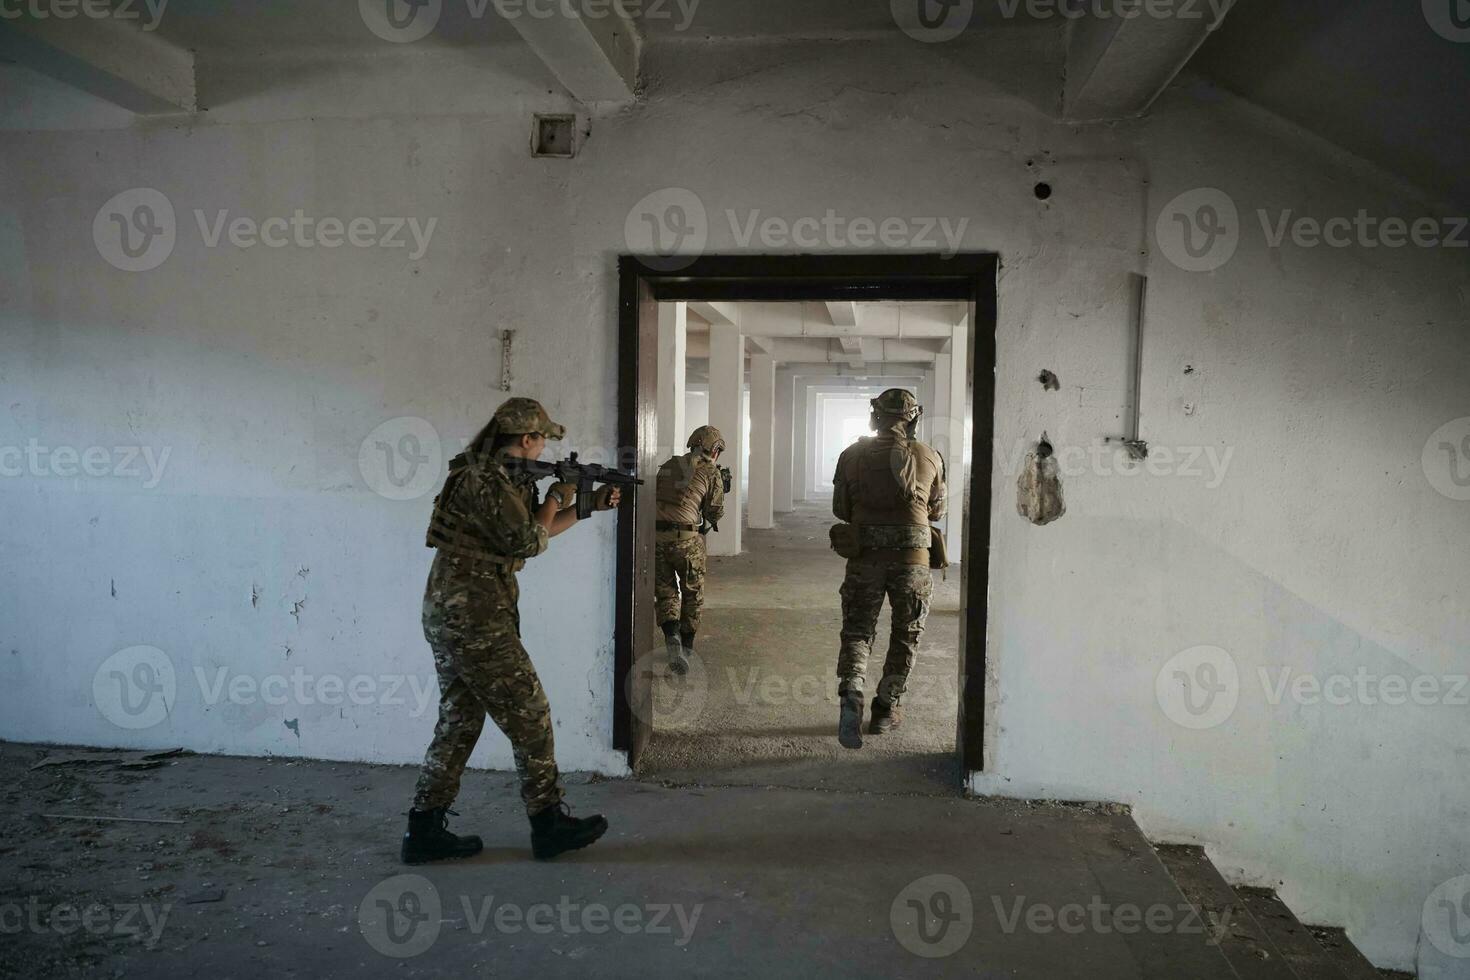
column 486, row 524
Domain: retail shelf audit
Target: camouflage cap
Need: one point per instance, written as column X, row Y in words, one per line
column 517, row 416
column 708, row 438
column 898, row 403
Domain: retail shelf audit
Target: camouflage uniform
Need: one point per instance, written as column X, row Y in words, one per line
column 690, row 494
column 484, row 530
column 891, row 486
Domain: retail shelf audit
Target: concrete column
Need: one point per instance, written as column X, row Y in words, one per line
column 926, row 398
column 726, row 384
column 785, row 399
column 762, row 440
column 958, row 388
column 813, row 440
column 673, row 323
column 801, row 489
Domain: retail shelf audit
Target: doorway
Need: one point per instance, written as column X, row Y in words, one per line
column 967, row 280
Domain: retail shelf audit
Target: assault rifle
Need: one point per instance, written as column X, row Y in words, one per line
column 573, row 470
column 727, row 480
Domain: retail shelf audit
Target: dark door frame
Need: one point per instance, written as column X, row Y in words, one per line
column 646, row 281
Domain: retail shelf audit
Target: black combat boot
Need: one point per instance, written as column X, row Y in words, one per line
column 850, row 721
column 678, row 663
column 686, row 637
column 428, row 838
column 886, row 717
column 555, row 830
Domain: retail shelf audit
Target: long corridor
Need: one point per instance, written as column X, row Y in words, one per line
column 759, row 706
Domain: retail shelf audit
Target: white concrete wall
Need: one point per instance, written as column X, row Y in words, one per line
column 1322, row 372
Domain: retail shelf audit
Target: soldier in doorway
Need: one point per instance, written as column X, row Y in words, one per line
column 691, row 500
column 887, row 489
column 487, row 522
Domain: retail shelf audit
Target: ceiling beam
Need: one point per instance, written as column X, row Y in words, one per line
column 717, row 314
column 1117, row 66
column 759, row 345
column 843, row 314
column 111, row 58
column 596, row 58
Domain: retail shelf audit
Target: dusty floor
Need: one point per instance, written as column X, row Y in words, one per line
column 289, row 869
column 760, row 707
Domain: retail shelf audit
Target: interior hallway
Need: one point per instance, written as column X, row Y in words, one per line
column 763, row 710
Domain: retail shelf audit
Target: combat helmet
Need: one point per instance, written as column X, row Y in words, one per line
column 707, row 438
column 898, row 403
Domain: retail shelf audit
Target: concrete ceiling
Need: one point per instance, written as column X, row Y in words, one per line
column 1369, row 75
column 228, row 26
column 790, row 18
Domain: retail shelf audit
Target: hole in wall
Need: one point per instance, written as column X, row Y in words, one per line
column 554, row 136
column 1042, row 191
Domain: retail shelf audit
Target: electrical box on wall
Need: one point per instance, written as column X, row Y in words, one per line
column 554, row 136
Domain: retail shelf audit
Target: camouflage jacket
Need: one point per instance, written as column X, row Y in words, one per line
column 690, row 490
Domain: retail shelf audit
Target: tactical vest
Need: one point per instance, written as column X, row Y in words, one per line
column 683, row 482
column 891, row 479
column 453, row 527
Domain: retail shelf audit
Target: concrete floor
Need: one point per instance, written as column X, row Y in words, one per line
column 289, row 869
column 763, row 707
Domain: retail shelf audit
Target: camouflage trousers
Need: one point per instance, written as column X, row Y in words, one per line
column 487, row 671
column 909, row 589
column 678, row 581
